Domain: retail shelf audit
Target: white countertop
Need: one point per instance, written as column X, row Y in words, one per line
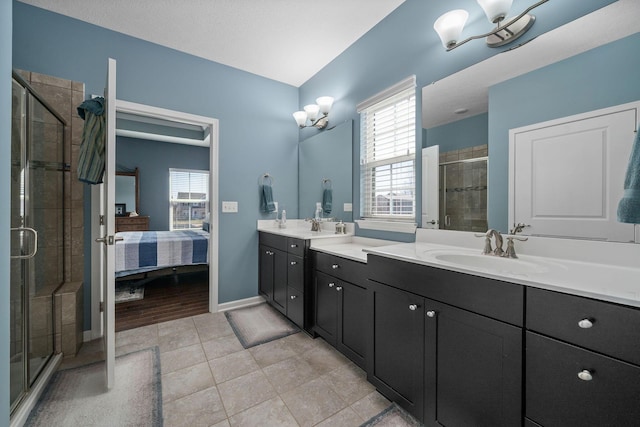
column 350, row 247
column 603, row 281
column 301, row 229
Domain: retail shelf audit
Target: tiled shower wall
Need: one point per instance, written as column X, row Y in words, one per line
column 64, row 96
column 463, row 190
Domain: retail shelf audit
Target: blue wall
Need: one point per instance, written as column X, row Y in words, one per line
column 153, row 160
column 602, row 77
column 464, row 133
column 257, row 133
column 5, row 194
column 404, row 43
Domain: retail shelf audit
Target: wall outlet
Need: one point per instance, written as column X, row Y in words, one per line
column 229, row 207
column 348, row 207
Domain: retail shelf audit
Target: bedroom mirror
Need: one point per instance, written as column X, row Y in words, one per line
column 325, row 163
column 127, row 190
column 542, row 80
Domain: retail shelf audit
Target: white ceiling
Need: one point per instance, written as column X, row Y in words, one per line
column 284, row 40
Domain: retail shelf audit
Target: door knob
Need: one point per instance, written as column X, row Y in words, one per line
column 585, row 323
column 293, row 262
column 293, row 296
column 335, row 266
column 431, row 313
column 339, row 288
column 585, row 375
column 413, row 307
column 331, row 285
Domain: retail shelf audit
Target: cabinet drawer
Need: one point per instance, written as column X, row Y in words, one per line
column 295, row 271
column 556, row 396
column 273, row 240
column 342, row 268
column 597, row 325
column 295, row 246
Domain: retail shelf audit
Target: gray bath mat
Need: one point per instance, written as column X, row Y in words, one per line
column 393, row 416
column 259, row 324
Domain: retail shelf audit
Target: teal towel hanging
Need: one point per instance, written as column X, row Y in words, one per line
column 629, row 206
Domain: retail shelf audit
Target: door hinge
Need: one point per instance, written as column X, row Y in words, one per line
column 101, row 219
column 101, row 306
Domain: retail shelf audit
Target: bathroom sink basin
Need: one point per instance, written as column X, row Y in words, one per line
column 490, row 263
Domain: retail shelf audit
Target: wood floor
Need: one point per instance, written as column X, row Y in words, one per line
column 166, row 299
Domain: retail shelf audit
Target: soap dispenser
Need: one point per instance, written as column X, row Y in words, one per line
column 283, row 219
column 318, row 210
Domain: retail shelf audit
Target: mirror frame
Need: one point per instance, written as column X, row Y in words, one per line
column 136, row 175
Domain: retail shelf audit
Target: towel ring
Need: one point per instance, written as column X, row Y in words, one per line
column 266, row 179
column 326, row 184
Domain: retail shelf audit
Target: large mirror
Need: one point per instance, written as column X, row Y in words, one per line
column 579, row 67
column 127, row 191
column 324, row 168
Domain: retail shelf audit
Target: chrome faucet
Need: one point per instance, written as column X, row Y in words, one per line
column 511, row 250
column 315, row 224
column 488, row 250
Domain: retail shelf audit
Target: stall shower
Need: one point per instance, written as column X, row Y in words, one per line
column 463, row 189
column 37, row 233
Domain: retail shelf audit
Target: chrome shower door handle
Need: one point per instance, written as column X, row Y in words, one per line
column 35, row 242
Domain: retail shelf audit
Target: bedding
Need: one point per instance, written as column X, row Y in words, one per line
column 143, row 251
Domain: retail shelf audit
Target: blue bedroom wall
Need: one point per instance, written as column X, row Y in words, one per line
column 600, row 78
column 5, row 194
column 464, row 133
column 153, row 160
column 150, row 74
column 404, row 43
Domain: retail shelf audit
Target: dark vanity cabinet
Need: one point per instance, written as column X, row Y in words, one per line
column 283, row 273
column 340, row 304
column 582, row 361
column 444, row 345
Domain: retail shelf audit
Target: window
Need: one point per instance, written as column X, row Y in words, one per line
column 188, row 198
column 387, row 153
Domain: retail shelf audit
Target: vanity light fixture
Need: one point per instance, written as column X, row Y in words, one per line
column 311, row 112
column 449, row 26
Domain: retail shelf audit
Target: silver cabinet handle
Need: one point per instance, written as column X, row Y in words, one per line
column 339, row 288
column 585, row 323
column 268, row 252
column 431, row 313
column 35, row 243
column 585, row 375
column 331, row 285
column 413, row 307
column 293, row 296
column 335, row 266
column 293, row 262
column 293, row 245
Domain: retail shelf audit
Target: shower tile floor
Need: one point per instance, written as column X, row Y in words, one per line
column 209, row 379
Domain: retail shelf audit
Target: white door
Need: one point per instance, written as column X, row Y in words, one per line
column 430, row 195
column 568, row 177
column 108, row 212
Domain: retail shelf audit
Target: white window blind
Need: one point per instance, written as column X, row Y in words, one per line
column 387, row 153
column 188, row 197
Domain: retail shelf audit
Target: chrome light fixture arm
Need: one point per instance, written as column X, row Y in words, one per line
column 499, row 28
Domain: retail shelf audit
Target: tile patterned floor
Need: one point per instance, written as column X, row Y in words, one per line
column 209, row 379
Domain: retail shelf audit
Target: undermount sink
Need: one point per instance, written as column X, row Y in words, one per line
column 489, row 262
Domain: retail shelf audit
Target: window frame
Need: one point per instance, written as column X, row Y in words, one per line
column 173, row 202
column 391, row 97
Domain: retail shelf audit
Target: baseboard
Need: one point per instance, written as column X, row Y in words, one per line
column 247, row 302
column 22, row 413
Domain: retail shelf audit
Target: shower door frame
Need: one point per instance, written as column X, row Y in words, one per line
column 34, row 385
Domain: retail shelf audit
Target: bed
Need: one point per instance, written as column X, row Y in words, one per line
column 145, row 251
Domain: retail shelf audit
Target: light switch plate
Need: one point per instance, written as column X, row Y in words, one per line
column 229, row 207
column 348, row 207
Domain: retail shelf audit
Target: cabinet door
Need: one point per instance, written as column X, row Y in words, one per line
column 352, row 321
column 473, row 369
column 266, row 260
column 326, row 307
column 607, row 392
column 280, row 280
column 295, row 306
column 396, row 350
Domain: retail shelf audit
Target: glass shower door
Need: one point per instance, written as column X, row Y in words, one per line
column 37, row 236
